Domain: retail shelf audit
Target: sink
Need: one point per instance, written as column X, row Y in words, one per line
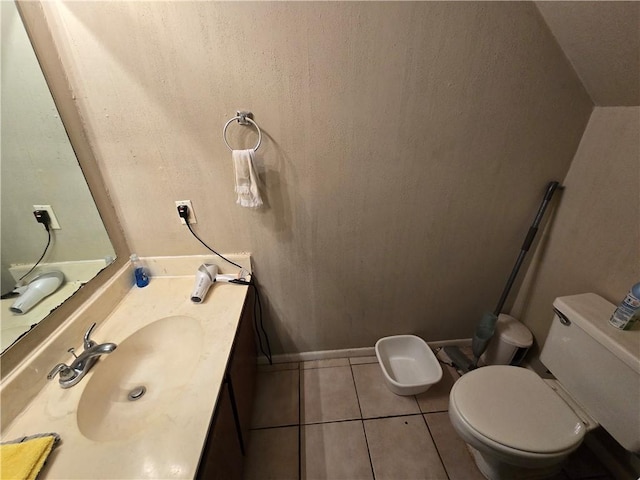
column 140, row 381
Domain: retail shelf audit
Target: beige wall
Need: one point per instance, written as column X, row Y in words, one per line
column 594, row 241
column 602, row 42
column 406, row 147
column 39, row 165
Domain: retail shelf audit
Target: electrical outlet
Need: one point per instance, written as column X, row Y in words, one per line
column 52, row 216
column 192, row 213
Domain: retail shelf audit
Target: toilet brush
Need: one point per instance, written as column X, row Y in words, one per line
column 487, row 325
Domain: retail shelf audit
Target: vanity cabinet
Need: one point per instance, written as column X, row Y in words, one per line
column 222, row 457
column 228, row 436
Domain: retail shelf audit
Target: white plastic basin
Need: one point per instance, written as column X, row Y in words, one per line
column 408, row 364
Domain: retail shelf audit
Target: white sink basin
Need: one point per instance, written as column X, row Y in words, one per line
column 159, row 358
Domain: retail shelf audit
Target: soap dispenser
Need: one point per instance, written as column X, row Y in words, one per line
column 140, row 273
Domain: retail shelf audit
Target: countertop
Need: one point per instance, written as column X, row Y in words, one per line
column 76, row 274
column 168, row 442
column 15, row 325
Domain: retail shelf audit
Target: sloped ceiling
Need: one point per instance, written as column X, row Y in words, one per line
column 601, row 39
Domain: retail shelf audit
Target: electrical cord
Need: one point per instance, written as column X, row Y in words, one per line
column 41, row 256
column 211, row 249
column 257, row 312
column 41, row 217
column 183, row 212
column 266, row 337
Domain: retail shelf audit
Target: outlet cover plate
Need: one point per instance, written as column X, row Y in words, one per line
column 192, row 213
column 52, row 216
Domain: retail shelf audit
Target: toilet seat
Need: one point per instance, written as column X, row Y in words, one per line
column 514, row 408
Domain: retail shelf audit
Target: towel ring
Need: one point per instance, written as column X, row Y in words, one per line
column 243, row 118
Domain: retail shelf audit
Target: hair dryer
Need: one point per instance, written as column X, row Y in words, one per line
column 226, row 277
column 205, row 276
column 39, row 288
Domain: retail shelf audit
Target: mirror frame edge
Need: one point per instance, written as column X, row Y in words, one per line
column 39, row 32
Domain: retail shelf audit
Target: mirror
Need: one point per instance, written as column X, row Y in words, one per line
column 39, row 167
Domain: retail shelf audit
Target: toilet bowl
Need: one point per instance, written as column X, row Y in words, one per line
column 519, row 426
column 516, row 425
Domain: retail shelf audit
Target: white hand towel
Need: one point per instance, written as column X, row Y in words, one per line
column 246, row 178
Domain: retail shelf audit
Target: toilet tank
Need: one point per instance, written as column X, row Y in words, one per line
column 598, row 364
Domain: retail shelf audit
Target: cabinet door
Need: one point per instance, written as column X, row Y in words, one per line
column 222, row 455
column 242, row 370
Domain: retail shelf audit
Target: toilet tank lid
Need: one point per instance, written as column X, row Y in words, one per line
column 591, row 313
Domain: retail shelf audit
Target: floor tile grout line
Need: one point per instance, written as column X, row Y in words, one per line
column 382, row 417
column 261, row 372
column 275, row 426
column 368, row 418
column 327, row 366
column 355, row 388
column 444, row 467
column 342, row 420
column 364, row 431
column 415, row 397
column 268, row 372
column 353, row 420
column 366, row 441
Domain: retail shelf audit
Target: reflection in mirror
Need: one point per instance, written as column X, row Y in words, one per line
column 39, row 167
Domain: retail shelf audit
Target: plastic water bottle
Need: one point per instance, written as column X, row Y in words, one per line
column 140, row 274
column 628, row 311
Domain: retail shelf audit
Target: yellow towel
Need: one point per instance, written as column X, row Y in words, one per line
column 24, row 460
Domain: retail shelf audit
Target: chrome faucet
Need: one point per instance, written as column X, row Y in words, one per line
column 72, row 374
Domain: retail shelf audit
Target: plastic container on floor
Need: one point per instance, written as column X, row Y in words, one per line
column 408, row 364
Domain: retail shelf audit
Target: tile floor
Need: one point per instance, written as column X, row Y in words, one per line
column 336, row 419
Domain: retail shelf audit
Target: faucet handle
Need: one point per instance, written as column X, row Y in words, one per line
column 88, row 343
column 64, row 370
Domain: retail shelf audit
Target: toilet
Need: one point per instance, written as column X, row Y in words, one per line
column 520, row 426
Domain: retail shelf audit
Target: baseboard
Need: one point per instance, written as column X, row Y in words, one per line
column 318, row 355
column 348, row 352
column 458, row 342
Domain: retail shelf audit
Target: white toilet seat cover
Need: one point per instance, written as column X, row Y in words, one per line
column 514, row 407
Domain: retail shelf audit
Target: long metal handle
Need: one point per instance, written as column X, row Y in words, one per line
column 61, row 369
column 88, row 343
column 531, row 234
